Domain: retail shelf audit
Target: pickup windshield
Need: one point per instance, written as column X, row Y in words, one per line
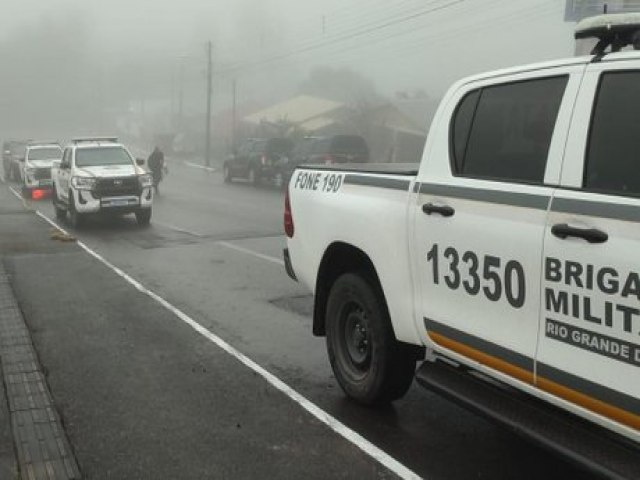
column 45, row 153
column 93, row 157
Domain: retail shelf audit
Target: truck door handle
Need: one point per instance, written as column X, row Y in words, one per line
column 591, row 235
column 444, row 210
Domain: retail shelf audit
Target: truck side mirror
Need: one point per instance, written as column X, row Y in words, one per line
column 140, row 162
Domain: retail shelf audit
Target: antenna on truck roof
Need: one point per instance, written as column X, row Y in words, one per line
column 616, row 30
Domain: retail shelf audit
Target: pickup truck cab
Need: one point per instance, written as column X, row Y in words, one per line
column 509, row 258
column 36, row 172
column 100, row 176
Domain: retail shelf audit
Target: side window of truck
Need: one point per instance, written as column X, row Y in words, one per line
column 611, row 163
column 503, row 132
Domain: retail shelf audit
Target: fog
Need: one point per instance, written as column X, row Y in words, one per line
column 76, row 67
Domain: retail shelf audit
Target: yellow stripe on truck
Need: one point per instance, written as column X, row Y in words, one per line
column 578, row 398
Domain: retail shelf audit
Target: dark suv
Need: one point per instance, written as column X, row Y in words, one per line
column 300, row 155
column 257, row 159
column 338, row 149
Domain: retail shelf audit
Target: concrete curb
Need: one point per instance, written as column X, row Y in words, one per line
column 41, row 445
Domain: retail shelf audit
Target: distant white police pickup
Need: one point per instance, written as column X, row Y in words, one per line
column 36, row 171
column 100, row 176
column 509, row 257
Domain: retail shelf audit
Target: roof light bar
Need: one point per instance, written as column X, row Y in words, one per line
column 76, row 141
column 616, row 30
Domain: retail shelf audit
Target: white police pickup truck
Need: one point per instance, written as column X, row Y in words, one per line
column 509, row 258
column 100, row 176
column 36, row 172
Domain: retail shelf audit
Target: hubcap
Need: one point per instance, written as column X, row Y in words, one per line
column 357, row 338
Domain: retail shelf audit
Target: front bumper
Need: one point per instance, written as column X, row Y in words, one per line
column 86, row 201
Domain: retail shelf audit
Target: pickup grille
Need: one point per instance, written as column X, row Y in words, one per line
column 42, row 174
column 117, row 187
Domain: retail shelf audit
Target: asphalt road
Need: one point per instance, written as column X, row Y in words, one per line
column 142, row 395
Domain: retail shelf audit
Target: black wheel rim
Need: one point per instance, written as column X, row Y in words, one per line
column 355, row 338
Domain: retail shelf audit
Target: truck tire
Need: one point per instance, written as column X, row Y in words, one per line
column 61, row 213
column 371, row 366
column 143, row 217
column 76, row 219
column 226, row 173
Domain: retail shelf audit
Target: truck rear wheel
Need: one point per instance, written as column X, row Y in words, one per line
column 371, row 366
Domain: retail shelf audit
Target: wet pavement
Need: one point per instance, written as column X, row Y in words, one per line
column 142, row 395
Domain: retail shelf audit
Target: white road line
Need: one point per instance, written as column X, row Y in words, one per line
column 231, row 246
column 334, row 424
column 201, row 167
column 251, row 252
column 178, row 229
column 22, row 199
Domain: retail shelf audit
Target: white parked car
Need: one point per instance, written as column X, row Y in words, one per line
column 100, row 176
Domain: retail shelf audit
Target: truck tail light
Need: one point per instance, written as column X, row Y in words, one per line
column 288, row 216
column 38, row 194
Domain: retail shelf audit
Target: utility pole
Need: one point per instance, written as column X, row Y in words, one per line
column 208, row 123
column 234, row 119
column 181, row 93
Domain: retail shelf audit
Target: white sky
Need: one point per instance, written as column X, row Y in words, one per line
column 427, row 52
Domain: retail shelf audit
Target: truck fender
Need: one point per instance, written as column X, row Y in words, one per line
column 339, row 258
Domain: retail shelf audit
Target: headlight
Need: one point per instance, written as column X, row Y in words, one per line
column 146, row 180
column 83, row 183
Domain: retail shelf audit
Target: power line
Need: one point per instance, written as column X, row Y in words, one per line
column 350, row 36
column 417, row 44
column 394, row 13
column 337, row 22
column 387, row 20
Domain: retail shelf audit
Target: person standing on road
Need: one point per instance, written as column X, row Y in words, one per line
column 156, row 165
